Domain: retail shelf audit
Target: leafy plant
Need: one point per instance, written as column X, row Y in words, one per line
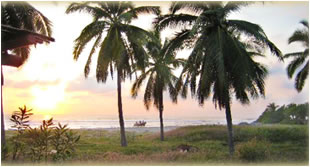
column 4, row 152
column 63, row 142
column 43, row 143
column 21, row 120
column 253, row 150
column 46, row 132
column 34, row 138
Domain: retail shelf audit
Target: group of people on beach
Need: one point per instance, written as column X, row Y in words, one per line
column 140, row 123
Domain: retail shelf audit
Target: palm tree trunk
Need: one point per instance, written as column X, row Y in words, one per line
column 230, row 131
column 120, row 110
column 2, row 124
column 161, row 109
column 2, row 118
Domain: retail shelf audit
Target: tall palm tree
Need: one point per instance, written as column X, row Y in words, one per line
column 221, row 62
column 122, row 47
column 22, row 15
column 159, row 76
column 300, row 59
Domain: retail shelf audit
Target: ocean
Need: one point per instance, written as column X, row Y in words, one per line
column 114, row 123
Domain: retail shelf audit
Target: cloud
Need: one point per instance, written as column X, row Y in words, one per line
column 91, row 85
column 25, row 84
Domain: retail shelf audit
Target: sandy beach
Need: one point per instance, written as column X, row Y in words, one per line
column 139, row 129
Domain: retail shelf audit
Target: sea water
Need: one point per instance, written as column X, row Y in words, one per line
column 114, row 123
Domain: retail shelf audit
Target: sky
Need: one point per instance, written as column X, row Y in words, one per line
column 53, row 84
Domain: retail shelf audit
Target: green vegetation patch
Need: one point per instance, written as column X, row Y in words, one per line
column 286, row 144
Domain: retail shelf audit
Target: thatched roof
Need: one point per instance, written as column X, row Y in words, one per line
column 12, row 38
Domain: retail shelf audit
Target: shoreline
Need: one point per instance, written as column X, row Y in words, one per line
column 135, row 129
column 128, row 129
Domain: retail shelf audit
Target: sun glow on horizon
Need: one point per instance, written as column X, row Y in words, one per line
column 47, row 98
column 47, row 117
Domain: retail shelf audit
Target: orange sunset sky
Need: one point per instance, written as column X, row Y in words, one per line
column 53, row 84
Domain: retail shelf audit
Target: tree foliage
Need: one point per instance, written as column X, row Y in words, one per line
column 121, row 48
column 286, row 114
column 158, row 72
column 300, row 61
column 24, row 16
column 222, row 58
column 159, row 75
column 221, row 63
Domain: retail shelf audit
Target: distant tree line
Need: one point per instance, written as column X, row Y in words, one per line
column 286, row 114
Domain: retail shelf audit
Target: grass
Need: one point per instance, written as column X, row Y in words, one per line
column 288, row 146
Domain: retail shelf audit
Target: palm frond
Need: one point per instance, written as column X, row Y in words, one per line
column 299, row 36
column 128, row 16
column 91, row 31
column 295, row 54
column 256, row 31
column 149, row 91
column 96, row 12
column 23, row 15
column 137, row 84
column 137, row 39
column 294, row 64
column 305, row 23
column 173, row 93
column 10, row 16
column 234, row 6
column 145, row 10
column 140, row 34
column 111, row 51
column 124, row 7
column 173, row 21
column 301, row 77
column 96, row 44
column 43, row 24
column 193, row 7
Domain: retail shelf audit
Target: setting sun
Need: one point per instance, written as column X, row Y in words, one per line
column 47, row 97
column 47, row 117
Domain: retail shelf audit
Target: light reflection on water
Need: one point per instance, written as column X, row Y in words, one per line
column 114, row 123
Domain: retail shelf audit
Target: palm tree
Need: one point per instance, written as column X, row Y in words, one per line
column 299, row 58
column 22, row 15
column 122, row 47
column 272, row 107
column 221, row 62
column 160, row 76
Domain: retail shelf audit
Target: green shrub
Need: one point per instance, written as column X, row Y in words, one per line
column 47, row 142
column 20, row 119
column 253, row 150
column 283, row 134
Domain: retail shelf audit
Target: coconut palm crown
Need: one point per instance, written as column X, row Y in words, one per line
column 221, row 62
column 121, row 49
column 160, row 76
column 24, row 16
column 300, row 59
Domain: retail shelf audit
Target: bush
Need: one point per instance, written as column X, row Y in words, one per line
column 253, row 150
column 48, row 142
